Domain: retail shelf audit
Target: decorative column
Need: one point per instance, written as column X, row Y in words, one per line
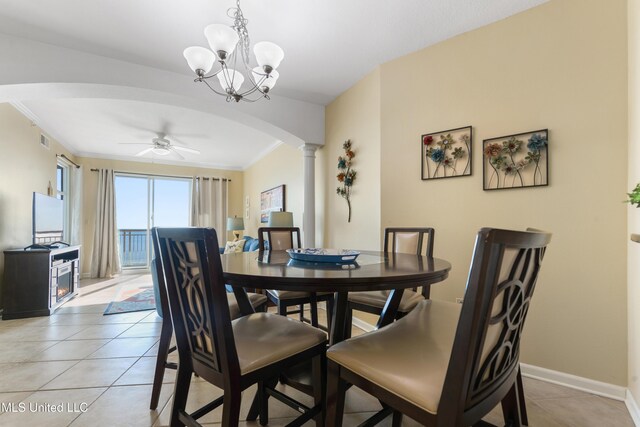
column 309, row 214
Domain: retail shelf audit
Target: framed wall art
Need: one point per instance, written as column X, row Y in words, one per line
column 446, row 154
column 271, row 200
column 516, row 161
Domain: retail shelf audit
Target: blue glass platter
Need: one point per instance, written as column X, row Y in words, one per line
column 336, row 256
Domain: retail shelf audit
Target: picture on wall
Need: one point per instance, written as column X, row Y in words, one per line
column 446, row 154
column 516, row 161
column 271, row 200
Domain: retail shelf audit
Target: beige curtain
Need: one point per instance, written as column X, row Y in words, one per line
column 209, row 205
column 105, row 261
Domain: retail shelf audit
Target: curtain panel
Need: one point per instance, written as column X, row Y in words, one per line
column 105, row 260
column 209, row 205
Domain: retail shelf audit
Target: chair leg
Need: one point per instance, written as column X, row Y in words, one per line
column 231, row 408
column 263, row 404
column 336, row 390
column 282, row 308
column 161, row 360
column 181, row 390
column 348, row 322
column 511, row 408
column 397, row 419
column 319, row 382
column 314, row 311
column 523, row 404
column 301, row 308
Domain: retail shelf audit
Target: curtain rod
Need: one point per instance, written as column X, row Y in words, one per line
column 163, row 176
column 68, row 160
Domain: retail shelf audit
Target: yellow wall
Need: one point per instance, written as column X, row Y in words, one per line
column 90, row 182
column 562, row 66
column 354, row 115
column 633, row 260
column 27, row 167
column 282, row 166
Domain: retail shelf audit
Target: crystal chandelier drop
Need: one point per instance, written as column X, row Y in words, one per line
column 227, row 44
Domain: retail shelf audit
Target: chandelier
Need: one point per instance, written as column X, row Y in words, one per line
column 230, row 48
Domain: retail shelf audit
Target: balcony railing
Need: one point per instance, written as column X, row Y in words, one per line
column 133, row 247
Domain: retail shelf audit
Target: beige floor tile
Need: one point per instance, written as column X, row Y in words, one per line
column 587, row 411
column 84, row 308
column 23, row 351
column 141, row 330
column 91, row 373
column 152, row 317
column 39, row 333
column 124, row 347
column 77, row 319
column 122, row 406
column 9, row 401
column 143, row 371
column 70, row 350
column 39, row 408
column 153, row 351
column 31, row 375
column 33, row 321
column 101, row 331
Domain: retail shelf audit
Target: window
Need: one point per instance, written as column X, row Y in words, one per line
column 143, row 202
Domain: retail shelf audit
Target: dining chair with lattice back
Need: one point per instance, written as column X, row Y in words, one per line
column 282, row 238
column 411, row 240
column 258, row 301
column 446, row 364
column 232, row 355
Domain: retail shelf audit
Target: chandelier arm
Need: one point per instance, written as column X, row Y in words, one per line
column 211, row 87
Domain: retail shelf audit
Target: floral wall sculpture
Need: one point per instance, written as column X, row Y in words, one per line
column 446, row 154
column 516, row 161
column 346, row 175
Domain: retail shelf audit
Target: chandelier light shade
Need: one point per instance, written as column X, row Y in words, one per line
column 230, row 48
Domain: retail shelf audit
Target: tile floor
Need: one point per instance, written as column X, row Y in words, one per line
column 100, row 368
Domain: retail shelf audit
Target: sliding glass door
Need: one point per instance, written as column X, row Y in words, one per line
column 143, row 202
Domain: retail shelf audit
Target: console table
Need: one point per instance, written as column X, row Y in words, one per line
column 37, row 281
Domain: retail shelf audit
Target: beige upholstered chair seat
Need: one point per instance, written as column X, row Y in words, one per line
column 254, row 299
column 379, row 298
column 409, row 357
column 263, row 339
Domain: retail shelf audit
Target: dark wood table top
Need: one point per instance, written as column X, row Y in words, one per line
column 372, row 271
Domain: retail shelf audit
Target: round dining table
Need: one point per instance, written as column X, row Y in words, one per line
column 371, row 271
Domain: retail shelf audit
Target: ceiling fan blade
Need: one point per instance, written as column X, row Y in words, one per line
column 178, row 154
column 185, row 149
column 133, row 143
column 145, row 151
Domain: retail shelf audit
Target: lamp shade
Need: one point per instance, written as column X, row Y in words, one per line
column 221, row 38
column 280, row 219
column 264, row 81
column 199, row 58
column 235, row 224
column 268, row 54
column 232, row 77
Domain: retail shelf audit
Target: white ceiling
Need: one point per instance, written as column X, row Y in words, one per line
column 100, row 127
column 329, row 45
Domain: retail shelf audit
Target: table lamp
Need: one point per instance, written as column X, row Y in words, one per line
column 235, row 224
column 280, row 219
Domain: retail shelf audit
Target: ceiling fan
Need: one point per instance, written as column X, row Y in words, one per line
column 161, row 146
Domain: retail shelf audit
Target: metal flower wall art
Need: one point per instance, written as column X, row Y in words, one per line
column 446, row 154
column 346, row 175
column 516, row 161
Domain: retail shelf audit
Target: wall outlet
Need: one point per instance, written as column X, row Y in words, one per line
column 459, row 300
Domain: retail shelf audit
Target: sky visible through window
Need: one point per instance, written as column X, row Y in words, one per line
column 170, row 202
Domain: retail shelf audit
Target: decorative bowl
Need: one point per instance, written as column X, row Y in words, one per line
column 340, row 256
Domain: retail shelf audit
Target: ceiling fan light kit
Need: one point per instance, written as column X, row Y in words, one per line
column 161, row 146
column 227, row 43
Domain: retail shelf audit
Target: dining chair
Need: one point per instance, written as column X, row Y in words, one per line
column 279, row 239
column 417, row 241
column 258, row 301
column 232, row 355
column 447, row 364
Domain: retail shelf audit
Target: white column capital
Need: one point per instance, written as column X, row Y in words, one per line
column 309, row 150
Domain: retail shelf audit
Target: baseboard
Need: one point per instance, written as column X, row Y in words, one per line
column 361, row 324
column 633, row 408
column 599, row 388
